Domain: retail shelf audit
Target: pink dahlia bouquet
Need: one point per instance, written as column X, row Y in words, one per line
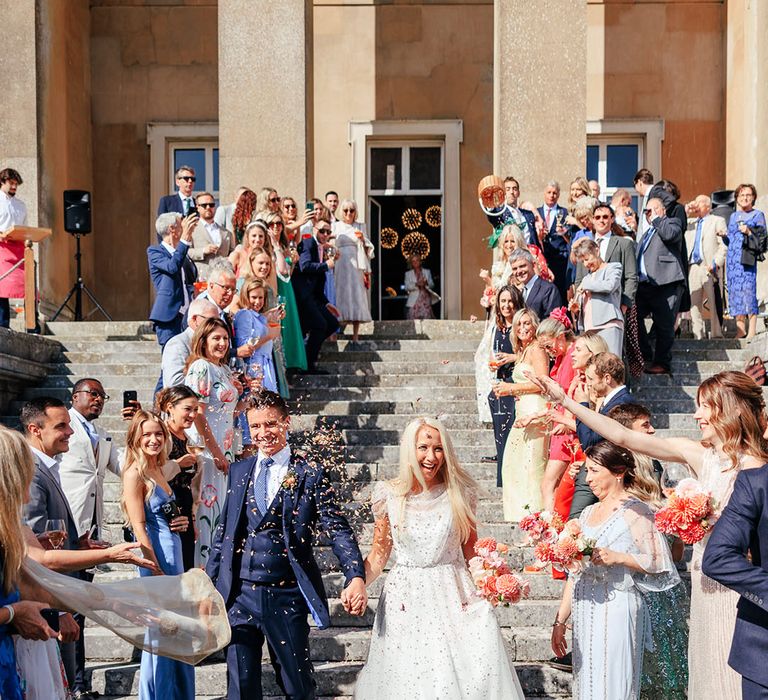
column 492, row 575
column 568, row 551
column 542, row 526
column 689, row 513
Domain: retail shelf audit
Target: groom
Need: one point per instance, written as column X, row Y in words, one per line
column 742, row 530
column 262, row 561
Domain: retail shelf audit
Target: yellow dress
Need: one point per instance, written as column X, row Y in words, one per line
column 525, row 454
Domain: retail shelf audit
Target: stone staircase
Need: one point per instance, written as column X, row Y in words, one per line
column 400, row 370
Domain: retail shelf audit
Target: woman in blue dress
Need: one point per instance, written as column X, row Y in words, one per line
column 255, row 331
column 154, row 516
column 747, row 224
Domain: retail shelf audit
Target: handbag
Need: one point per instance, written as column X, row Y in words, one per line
column 756, row 370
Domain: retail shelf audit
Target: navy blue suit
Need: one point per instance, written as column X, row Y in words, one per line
column 543, row 298
column 308, row 281
column 276, row 611
column 171, row 203
column 556, row 250
column 742, row 529
column 582, row 494
column 503, row 216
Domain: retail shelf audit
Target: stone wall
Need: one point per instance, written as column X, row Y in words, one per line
column 150, row 61
column 23, row 362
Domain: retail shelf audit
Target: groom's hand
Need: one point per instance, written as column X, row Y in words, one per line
column 354, row 597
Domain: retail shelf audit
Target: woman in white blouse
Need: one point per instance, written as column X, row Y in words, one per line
column 353, row 268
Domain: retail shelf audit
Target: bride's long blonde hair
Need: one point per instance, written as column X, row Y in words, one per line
column 461, row 487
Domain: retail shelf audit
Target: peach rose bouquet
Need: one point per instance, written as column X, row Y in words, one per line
column 492, row 575
column 689, row 513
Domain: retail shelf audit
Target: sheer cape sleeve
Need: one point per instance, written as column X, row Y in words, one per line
column 650, row 550
column 182, row 617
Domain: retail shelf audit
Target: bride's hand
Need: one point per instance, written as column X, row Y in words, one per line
column 354, row 597
column 559, row 643
column 548, row 386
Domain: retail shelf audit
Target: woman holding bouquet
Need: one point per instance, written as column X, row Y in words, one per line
column 525, row 454
column 605, row 596
column 731, row 417
column 432, row 636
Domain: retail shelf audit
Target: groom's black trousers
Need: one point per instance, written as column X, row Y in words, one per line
column 278, row 615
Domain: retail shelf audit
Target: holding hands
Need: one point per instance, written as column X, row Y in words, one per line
column 354, row 597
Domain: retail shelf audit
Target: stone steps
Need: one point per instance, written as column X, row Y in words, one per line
column 375, row 387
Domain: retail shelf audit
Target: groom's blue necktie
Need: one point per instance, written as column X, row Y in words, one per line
column 260, row 485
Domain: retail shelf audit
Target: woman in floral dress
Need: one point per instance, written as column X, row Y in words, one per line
column 210, row 378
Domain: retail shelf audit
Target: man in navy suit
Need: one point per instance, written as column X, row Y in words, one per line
column 262, row 561
column 737, row 557
column 605, row 382
column 182, row 201
column 317, row 322
column 540, row 296
column 173, row 274
column 555, row 244
column 511, row 213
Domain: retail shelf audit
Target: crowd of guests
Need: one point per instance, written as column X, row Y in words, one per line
column 313, row 270
column 567, row 298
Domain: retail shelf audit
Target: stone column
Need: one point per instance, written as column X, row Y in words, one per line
column 265, row 96
column 18, row 119
column 540, row 89
column 747, row 97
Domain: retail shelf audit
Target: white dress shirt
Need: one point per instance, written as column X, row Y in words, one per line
column 529, row 286
column 184, row 199
column 50, row 462
column 602, row 242
column 552, row 211
column 611, row 394
column 13, row 212
column 214, row 232
column 89, row 427
column 277, row 471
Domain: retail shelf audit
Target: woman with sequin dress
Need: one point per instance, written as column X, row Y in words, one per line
column 433, row 637
column 731, row 417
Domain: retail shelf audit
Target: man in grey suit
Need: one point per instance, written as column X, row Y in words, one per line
column 209, row 240
column 661, row 272
column 177, row 349
column 46, row 425
column 614, row 248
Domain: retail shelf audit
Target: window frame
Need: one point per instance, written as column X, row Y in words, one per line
column 405, row 179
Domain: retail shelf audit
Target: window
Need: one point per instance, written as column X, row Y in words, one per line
column 403, row 169
column 613, row 162
column 203, row 157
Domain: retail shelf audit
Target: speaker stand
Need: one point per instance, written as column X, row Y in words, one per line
column 77, row 291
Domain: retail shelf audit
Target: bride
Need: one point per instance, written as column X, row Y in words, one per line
column 432, row 636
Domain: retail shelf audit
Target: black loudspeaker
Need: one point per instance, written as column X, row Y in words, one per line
column 77, row 211
column 724, row 197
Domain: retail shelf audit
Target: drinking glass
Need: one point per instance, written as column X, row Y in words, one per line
column 672, row 475
column 56, row 530
column 498, row 409
column 195, row 443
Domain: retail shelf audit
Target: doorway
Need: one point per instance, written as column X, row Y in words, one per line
column 405, row 215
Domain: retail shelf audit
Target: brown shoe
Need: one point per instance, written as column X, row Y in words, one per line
column 656, row 369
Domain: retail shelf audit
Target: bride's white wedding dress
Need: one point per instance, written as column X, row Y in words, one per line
column 432, row 637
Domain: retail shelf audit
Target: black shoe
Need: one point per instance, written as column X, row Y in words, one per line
column 85, row 695
column 564, row 663
column 489, row 460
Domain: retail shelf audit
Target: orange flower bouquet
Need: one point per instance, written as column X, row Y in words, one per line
column 689, row 513
column 492, row 575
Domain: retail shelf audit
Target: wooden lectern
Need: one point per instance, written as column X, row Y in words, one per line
column 29, row 235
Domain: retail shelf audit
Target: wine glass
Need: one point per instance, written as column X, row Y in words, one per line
column 56, row 531
column 195, row 443
column 672, row 475
column 498, row 409
column 254, row 339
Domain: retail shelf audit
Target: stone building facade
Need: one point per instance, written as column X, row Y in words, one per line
column 399, row 104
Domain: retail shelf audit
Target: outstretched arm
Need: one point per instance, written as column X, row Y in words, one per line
column 667, row 449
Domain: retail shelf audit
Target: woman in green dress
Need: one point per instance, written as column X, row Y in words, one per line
column 285, row 258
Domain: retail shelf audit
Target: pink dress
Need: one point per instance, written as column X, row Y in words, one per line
column 12, row 286
column 563, row 374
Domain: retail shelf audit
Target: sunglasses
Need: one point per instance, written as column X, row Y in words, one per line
column 188, row 178
column 226, row 288
column 323, row 230
column 94, row 394
column 207, row 205
column 274, row 199
column 349, row 211
column 604, row 217
column 289, row 206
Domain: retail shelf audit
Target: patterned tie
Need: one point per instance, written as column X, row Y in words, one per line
column 260, row 485
column 549, row 219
